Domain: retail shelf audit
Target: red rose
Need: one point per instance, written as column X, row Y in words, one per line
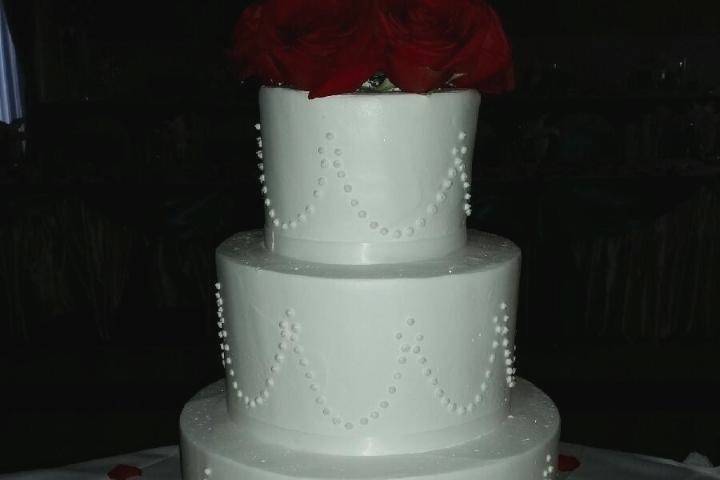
column 324, row 46
column 434, row 43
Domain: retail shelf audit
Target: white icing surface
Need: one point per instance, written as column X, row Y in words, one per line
column 366, row 178
column 368, row 360
column 364, row 334
column 523, row 447
column 483, row 251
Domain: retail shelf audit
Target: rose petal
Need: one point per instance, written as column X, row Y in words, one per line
column 485, row 62
column 567, row 463
column 124, row 472
column 302, row 45
column 299, row 69
column 433, row 41
column 344, row 81
column 415, row 78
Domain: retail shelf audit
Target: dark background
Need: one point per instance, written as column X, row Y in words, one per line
column 137, row 158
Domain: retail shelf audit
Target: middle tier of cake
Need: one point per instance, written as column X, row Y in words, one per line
column 368, row 360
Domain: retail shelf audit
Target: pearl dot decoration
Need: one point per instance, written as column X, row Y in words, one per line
column 207, row 473
column 449, row 403
column 508, row 353
column 458, row 168
column 288, row 330
column 293, row 221
column 412, row 346
column 222, row 333
column 549, row 470
column 290, row 342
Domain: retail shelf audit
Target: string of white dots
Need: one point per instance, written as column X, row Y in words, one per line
column 324, row 405
column 222, row 333
column 207, row 473
column 456, row 173
column 277, row 220
column 290, row 342
column 508, row 352
column 500, row 338
column 549, row 470
column 288, row 333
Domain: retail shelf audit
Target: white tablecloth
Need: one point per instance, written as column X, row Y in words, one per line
column 595, row 464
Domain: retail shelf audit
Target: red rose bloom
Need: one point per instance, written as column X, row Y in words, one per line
column 433, row 43
column 324, row 46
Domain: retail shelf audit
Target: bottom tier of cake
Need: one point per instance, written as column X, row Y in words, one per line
column 524, row 447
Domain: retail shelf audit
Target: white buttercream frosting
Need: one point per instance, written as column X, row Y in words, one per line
column 364, row 333
column 523, row 447
column 366, row 178
column 368, row 360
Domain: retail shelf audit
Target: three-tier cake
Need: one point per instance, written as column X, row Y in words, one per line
column 365, row 333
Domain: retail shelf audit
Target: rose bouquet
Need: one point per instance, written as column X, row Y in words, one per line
column 330, row 47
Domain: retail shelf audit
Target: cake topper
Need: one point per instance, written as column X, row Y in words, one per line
column 331, row 47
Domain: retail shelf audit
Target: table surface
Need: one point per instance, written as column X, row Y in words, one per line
column 595, row 464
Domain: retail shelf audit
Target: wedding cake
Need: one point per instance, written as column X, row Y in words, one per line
column 365, row 333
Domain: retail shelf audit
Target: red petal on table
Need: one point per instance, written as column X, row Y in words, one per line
column 566, row 463
column 124, row 472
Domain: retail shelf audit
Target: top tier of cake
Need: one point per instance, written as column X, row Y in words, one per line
column 366, row 178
